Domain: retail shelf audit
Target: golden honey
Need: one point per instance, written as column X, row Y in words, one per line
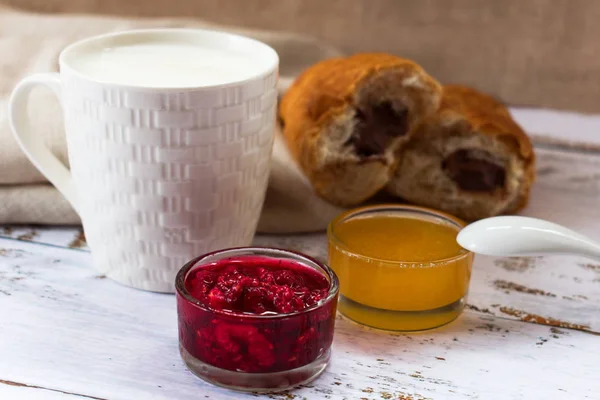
column 399, row 267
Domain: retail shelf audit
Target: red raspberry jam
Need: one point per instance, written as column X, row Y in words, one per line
column 257, row 314
column 257, row 285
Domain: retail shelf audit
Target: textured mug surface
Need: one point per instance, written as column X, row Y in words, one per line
column 160, row 176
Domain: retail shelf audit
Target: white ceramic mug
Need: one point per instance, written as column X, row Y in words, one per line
column 159, row 175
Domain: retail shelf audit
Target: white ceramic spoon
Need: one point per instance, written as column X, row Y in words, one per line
column 523, row 236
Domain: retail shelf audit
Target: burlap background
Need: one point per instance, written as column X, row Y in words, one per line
column 526, row 52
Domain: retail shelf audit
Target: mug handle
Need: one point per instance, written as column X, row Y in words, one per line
column 33, row 146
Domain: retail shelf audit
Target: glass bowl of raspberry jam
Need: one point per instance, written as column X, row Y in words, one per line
column 256, row 319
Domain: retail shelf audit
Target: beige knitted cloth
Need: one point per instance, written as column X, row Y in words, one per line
column 31, row 43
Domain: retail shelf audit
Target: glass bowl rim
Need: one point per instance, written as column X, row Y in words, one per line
column 372, row 209
column 182, row 291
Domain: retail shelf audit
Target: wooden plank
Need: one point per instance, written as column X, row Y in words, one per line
column 17, row 390
column 66, row 236
column 563, row 126
column 64, row 328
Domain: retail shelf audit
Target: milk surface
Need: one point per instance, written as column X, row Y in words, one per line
column 164, row 64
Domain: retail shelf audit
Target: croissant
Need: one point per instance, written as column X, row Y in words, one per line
column 344, row 120
column 470, row 159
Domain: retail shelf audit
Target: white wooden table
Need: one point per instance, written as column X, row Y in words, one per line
column 531, row 330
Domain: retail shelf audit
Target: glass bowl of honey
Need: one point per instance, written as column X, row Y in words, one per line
column 399, row 267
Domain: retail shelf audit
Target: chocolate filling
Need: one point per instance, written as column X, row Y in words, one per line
column 472, row 173
column 376, row 127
